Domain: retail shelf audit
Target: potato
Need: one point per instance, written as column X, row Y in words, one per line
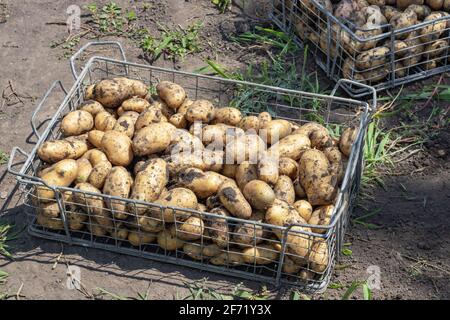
column 233, row 200
column 243, row 148
column 84, row 170
column 304, row 209
column 284, row 189
column 49, row 210
column 172, row 94
column 230, row 258
column 389, row 11
column 420, row 10
column 135, row 104
column 268, row 169
column 120, row 232
column 60, row 174
column 334, row 156
column 299, row 191
column 264, row 118
column 245, row 173
column 137, row 238
column 76, row 122
column 317, row 134
column 250, row 234
column 315, row 178
column 403, row 4
column 229, row 170
column 282, row 214
column 402, row 20
column 249, row 123
column 147, row 224
column 434, row 4
column 213, row 160
column 112, row 92
column 95, row 138
column 193, row 250
column 319, row 256
column 104, row 121
column 347, row 139
column 76, row 219
column 93, row 205
column 118, row 183
column 215, row 135
column 154, row 138
column 289, row 266
column 176, row 197
column 125, row 124
column 151, row 115
column 178, row 120
column 217, row 228
column 203, row 184
column 57, row 150
column 372, row 58
column 189, row 230
column 259, row 194
column 149, row 183
column 200, row 110
column 275, row 130
column 321, row 216
column 168, row 242
column 89, row 92
column 117, row 147
column 100, row 167
column 288, row 167
column 50, row 223
column 184, row 106
column 262, row 254
column 435, row 49
column 228, row 115
column 291, row 146
column 91, row 106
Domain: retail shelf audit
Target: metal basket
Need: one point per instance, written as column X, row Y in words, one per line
column 92, row 220
column 342, row 49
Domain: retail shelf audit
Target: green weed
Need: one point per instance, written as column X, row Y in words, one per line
column 222, row 5
column 173, row 44
column 3, row 157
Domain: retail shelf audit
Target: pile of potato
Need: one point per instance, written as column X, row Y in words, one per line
column 370, row 61
column 123, row 142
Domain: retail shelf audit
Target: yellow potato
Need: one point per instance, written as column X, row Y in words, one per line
column 299, row 191
column 347, row 139
column 322, row 217
column 288, row 167
column 249, row 123
column 229, row 170
column 50, row 223
column 104, row 121
column 203, row 184
column 189, row 230
column 245, row 173
column 95, row 138
column 100, row 167
column 228, row 115
column 275, row 130
column 259, row 194
column 284, row 189
column 217, row 228
column 230, row 258
column 118, row 183
column 250, row 234
column 291, row 146
column 137, row 238
column 178, row 120
column 262, row 254
column 149, row 183
column 84, row 170
column 317, row 134
column 57, row 150
column 60, row 174
column 49, row 210
column 91, row 106
column 151, row 115
column 268, row 169
column 153, row 138
column 200, row 110
column 76, row 123
column 169, row 242
column 233, row 200
column 176, row 197
column 135, row 104
column 125, row 124
column 264, row 118
column 117, row 147
column 172, row 94
column 304, row 209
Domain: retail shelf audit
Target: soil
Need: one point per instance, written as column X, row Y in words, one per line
column 411, row 245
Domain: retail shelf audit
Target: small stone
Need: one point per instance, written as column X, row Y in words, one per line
column 423, row 246
column 3, row 195
column 441, row 153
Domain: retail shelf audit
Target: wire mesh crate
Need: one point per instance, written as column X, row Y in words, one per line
column 301, row 255
column 376, row 55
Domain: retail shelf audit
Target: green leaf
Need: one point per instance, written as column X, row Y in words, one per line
column 347, row 252
column 350, row 290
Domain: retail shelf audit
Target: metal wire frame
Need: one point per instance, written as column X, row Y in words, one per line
column 340, row 48
column 77, row 221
